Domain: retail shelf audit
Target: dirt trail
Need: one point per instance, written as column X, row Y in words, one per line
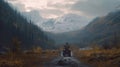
column 64, row 62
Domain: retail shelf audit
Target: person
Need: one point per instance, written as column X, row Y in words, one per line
column 67, row 51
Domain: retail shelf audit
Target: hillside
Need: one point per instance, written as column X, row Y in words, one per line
column 14, row 26
column 102, row 30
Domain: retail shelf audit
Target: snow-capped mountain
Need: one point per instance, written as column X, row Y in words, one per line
column 69, row 22
column 65, row 23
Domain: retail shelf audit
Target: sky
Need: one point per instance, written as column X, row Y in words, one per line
column 55, row 9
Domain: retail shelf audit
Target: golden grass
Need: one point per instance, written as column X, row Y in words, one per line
column 93, row 57
column 26, row 60
column 100, row 57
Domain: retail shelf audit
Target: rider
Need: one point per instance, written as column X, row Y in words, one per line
column 66, row 51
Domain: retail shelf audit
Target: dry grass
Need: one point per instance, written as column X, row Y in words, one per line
column 100, row 57
column 26, row 60
column 93, row 57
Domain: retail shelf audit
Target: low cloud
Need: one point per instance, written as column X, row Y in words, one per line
column 54, row 8
column 42, row 11
column 96, row 7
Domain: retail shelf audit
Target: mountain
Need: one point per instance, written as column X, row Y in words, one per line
column 62, row 38
column 14, row 26
column 34, row 16
column 66, row 23
column 102, row 30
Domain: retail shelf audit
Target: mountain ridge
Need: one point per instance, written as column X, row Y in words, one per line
column 100, row 31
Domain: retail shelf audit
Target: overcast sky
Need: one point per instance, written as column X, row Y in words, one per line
column 82, row 11
column 56, row 8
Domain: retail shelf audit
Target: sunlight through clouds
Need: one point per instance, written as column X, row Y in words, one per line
column 46, row 6
column 88, row 8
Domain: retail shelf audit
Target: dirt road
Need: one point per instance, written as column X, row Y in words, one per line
column 64, row 62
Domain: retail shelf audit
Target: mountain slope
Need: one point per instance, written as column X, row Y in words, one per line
column 102, row 31
column 65, row 23
column 13, row 25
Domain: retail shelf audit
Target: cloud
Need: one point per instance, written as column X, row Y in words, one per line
column 33, row 15
column 42, row 11
column 10, row 0
column 57, row 8
column 53, row 8
column 20, row 7
column 51, row 13
column 17, row 5
column 95, row 7
column 65, row 4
